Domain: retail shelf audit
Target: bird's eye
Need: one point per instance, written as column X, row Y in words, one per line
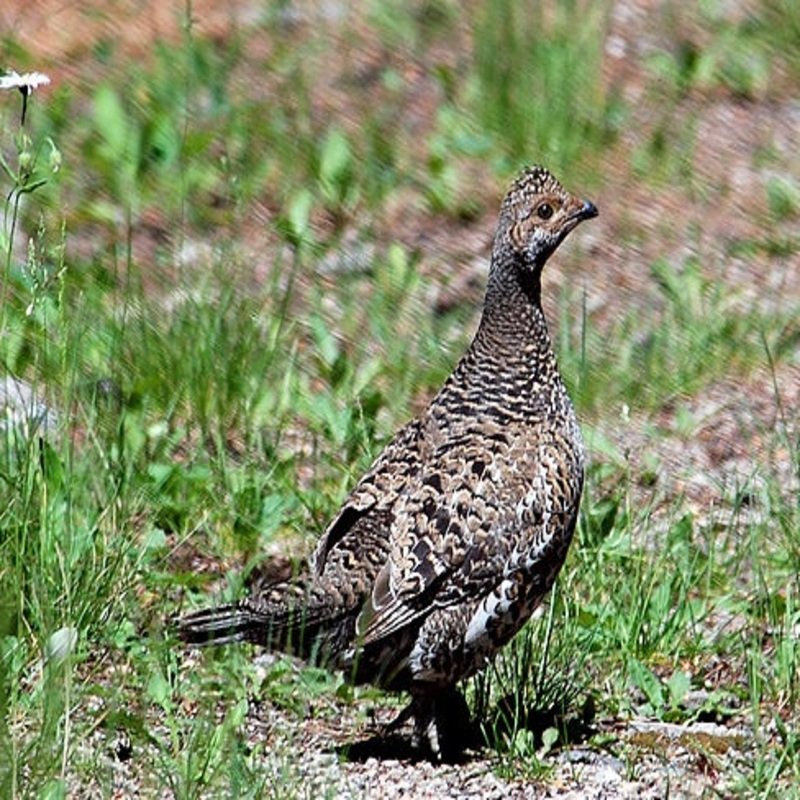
column 545, row 211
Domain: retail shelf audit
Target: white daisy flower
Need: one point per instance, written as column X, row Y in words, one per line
column 25, row 83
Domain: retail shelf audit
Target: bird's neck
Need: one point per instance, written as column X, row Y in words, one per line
column 513, row 322
column 509, row 371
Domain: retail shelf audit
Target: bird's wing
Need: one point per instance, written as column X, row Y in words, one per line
column 374, row 495
column 461, row 531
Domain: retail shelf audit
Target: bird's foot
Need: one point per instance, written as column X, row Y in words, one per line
column 391, row 727
column 440, row 723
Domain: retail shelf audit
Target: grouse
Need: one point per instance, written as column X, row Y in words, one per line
column 455, row 534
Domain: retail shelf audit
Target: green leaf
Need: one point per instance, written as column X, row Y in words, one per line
column 549, row 739
column 648, row 683
column 678, row 686
column 112, row 122
column 158, row 690
column 335, row 160
column 52, row 466
column 53, row 790
column 295, row 223
column 160, row 473
column 237, row 714
column 61, row 644
column 523, row 744
column 155, row 539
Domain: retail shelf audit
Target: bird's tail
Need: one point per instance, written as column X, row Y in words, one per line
column 295, row 619
column 221, row 625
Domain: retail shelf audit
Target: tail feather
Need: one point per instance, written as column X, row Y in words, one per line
column 222, row 625
column 306, row 632
column 314, row 622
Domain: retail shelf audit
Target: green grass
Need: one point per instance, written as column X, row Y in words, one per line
column 696, row 330
column 746, row 55
column 208, row 412
column 538, row 84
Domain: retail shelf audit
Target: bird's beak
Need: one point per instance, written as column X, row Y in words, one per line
column 586, row 211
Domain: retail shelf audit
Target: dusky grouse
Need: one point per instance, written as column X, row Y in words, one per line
column 447, row 545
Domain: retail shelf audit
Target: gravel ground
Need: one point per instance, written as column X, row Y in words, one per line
column 650, row 760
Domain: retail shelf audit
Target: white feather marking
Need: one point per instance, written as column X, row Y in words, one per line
column 495, row 605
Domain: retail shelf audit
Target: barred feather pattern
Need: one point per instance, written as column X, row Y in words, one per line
column 448, row 543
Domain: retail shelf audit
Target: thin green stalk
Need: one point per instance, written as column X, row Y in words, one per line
column 547, row 639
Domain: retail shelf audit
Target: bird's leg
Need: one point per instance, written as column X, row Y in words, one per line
column 422, row 708
column 399, row 720
column 426, row 728
column 441, row 721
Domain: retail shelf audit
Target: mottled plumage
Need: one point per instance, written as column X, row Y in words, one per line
column 446, row 546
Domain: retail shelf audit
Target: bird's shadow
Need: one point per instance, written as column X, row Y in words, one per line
column 471, row 741
column 394, row 747
column 399, row 747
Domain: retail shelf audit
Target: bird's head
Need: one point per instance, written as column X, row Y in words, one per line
column 536, row 215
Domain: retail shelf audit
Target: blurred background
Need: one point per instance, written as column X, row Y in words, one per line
column 243, row 242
